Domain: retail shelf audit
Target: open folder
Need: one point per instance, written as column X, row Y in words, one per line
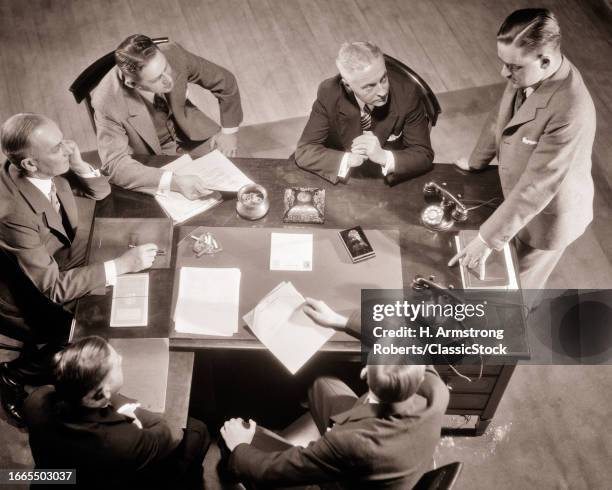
column 280, row 324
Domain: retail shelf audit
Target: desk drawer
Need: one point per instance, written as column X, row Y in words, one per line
column 457, row 384
column 467, row 401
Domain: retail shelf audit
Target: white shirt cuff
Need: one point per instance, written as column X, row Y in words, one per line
column 92, row 173
column 164, row 183
column 230, row 130
column 389, row 167
column 344, row 168
column 110, row 271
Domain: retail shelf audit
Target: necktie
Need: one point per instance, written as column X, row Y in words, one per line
column 53, row 198
column 519, row 98
column 366, row 118
column 160, row 103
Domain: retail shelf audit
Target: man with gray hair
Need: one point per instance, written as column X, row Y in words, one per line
column 369, row 118
column 38, row 224
column 542, row 134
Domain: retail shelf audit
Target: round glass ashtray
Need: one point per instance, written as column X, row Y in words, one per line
column 252, row 202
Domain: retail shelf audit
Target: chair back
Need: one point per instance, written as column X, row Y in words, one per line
column 443, row 478
column 90, row 77
column 432, row 106
column 26, row 314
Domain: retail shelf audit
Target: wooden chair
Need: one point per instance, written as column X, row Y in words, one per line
column 432, row 106
column 89, row 78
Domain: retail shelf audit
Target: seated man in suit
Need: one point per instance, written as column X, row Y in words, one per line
column 83, row 423
column 384, row 439
column 370, row 117
column 38, row 224
column 141, row 107
column 542, row 134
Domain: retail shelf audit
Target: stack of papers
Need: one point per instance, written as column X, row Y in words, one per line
column 130, row 304
column 207, row 301
column 291, row 252
column 280, row 324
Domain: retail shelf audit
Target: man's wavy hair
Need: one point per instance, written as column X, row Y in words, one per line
column 15, row 135
column 134, row 53
column 531, row 30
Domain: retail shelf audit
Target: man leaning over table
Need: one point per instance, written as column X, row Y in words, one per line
column 369, row 121
column 383, row 439
column 542, row 134
column 38, row 225
column 141, row 107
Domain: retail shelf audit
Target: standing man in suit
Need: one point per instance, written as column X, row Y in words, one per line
column 369, row 118
column 82, row 422
column 141, row 107
column 542, row 134
column 383, row 439
column 38, row 224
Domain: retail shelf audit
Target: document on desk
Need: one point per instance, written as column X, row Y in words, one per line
column 215, row 169
column 207, row 301
column 130, row 303
column 291, row 252
column 280, row 324
column 176, row 206
column 145, row 370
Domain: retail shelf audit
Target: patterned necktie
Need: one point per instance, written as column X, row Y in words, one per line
column 366, row 118
column 53, row 198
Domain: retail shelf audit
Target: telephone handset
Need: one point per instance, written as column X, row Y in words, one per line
column 439, row 217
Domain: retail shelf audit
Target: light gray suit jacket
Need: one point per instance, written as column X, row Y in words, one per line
column 124, row 126
column 544, row 154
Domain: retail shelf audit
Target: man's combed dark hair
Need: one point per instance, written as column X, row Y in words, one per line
column 531, row 30
column 81, row 367
column 133, row 53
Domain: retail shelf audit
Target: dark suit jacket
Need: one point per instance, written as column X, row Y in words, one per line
column 124, row 126
column 370, row 445
column 106, row 448
column 544, row 154
column 335, row 122
column 33, row 232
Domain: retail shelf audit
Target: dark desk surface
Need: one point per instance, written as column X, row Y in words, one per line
column 369, row 203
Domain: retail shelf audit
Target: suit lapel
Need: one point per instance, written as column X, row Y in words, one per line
column 384, row 120
column 65, row 196
column 349, row 119
column 38, row 202
column 538, row 99
column 140, row 119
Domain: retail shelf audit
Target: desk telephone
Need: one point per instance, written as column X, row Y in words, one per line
column 441, row 216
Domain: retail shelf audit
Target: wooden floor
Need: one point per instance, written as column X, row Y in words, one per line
column 280, row 50
column 552, row 428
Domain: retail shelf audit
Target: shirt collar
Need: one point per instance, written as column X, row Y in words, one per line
column 43, row 185
column 145, row 94
column 362, row 104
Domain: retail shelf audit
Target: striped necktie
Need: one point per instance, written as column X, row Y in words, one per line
column 53, row 198
column 366, row 118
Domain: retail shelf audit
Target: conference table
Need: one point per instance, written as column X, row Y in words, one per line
column 366, row 202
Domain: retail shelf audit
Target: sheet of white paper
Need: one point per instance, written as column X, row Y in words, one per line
column 290, row 252
column 215, row 169
column 207, row 301
column 280, row 324
column 130, row 303
column 512, row 281
column 180, row 209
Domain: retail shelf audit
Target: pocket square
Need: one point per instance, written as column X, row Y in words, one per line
column 393, row 137
column 527, row 141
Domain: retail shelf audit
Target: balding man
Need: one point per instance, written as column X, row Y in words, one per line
column 38, row 224
column 369, row 121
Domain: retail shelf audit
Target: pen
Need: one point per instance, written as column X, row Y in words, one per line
column 157, row 252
